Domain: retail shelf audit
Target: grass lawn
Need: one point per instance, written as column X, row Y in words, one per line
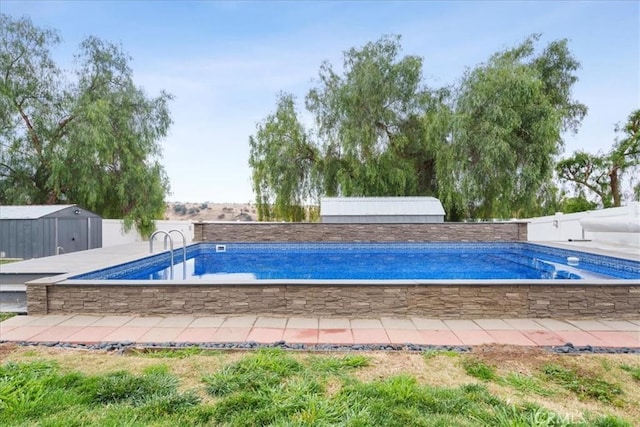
column 493, row 386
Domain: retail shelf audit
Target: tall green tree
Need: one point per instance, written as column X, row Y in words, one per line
column 485, row 147
column 283, row 161
column 603, row 174
column 92, row 140
column 509, row 115
column 369, row 121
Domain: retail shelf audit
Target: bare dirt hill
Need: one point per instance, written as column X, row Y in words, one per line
column 210, row 211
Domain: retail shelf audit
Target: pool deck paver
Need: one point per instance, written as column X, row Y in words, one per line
column 335, row 336
column 474, row 337
column 544, row 338
column 301, row 335
column 428, row 324
column 334, row 323
column 523, row 324
column 83, row 329
column 176, row 321
column 83, row 321
column 144, row 321
column 580, row 338
column 618, row 338
column 405, row 336
column 196, row 335
column 510, row 337
column 231, row 334
column 57, row 334
column 403, row 324
column 271, row 322
column 115, row 321
column 302, row 323
column 240, row 322
column 127, row 333
column 91, row 334
column 621, row 325
column 493, row 325
column 162, row 334
column 366, row 324
column 207, row 322
column 370, row 336
column 440, row 337
column 265, row 335
column 590, row 325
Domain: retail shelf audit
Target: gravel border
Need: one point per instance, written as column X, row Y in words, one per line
column 125, row 346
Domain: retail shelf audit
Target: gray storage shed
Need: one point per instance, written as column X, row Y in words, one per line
column 43, row 230
column 381, row 210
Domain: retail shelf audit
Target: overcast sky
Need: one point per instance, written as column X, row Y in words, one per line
column 225, row 62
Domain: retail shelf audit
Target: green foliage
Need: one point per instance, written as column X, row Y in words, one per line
column 582, row 385
column 525, row 383
column 175, row 353
column 603, row 174
column 478, row 369
column 37, row 393
column 485, row 147
column 5, row 316
column 264, row 369
column 633, row 370
column 577, row 204
column 336, row 365
column 282, row 158
column 431, row 354
column 92, row 140
column 509, row 115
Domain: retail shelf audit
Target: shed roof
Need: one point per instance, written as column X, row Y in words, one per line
column 31, row 211
column 346, row 206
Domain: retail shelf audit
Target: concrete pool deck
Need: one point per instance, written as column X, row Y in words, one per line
column 91, row 330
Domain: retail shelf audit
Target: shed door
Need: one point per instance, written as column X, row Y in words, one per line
column 72, row 234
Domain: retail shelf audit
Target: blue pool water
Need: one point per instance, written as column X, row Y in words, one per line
column 375, row 261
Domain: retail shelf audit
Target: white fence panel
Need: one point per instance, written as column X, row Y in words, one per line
column 113, row 232
column 613, row 225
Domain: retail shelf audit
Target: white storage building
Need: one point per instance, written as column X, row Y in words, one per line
column 381, row 210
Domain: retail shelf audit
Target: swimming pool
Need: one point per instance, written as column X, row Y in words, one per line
column 372, row 262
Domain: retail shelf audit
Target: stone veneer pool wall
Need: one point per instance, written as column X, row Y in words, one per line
column 318, row 232
column 450, row 301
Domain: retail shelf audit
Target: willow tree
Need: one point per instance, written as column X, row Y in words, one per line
column 92, row 139
column 603, row 174
column 509, row 117
column 369, row 122
column 282, row 159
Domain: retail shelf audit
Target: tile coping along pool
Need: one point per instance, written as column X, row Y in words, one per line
column 83, row 292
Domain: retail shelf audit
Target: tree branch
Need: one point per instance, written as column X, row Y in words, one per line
column 32, row 132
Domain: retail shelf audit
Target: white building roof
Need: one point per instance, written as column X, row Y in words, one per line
column 30, row 212
column 350, row 206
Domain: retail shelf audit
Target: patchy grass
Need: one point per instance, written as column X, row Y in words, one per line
column 585, row 386
column 479, row 369
column 5, row 316
column 525, row 383
column 431, row 354
column 633, row 370
column 174, row 353
column 55, row 387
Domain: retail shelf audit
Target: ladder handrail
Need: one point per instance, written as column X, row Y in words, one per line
column 167, row 235
column 184, row 250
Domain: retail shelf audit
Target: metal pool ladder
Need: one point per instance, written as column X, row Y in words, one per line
column 167, row 237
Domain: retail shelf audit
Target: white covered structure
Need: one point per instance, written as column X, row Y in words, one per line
column 381, row 210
